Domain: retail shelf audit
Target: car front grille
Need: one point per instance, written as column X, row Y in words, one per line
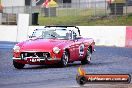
column 41, row 55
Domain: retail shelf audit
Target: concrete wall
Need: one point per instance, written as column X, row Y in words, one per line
column 15, row 33
column 103, row 35
column 22, row 27
column 106, row 35
column 0, row 18
column 8, row 33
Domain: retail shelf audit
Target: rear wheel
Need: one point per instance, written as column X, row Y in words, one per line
column 18, row 65
column 87, row 58
column 64, row 60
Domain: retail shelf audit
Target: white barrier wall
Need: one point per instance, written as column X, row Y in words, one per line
column 0, row 18
column 22, row 27
column 103, row 35
column 8, row 33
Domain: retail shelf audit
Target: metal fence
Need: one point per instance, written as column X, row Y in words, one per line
column 91, row 8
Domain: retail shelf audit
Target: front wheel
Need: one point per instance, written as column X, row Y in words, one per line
column 18, row 65
column 87, row 58
column 64, row 59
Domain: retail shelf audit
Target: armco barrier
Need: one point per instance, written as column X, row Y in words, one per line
column 118, row 36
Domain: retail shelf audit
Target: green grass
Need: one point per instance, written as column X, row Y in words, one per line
column 82, row 17
column 84, row 21
column 65, row 20
column 114, row 21
column 80, row 12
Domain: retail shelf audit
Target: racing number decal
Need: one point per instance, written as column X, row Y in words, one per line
column 81, row 50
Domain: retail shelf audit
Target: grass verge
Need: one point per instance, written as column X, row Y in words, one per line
column 87, row 20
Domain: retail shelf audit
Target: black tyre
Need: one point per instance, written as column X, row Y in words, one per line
column 81, row 80
column 64, row 60
column 18, row 65
column 87, row 58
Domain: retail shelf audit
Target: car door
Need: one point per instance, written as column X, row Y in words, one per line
column 72, row 51
column 76, row 47
column 79, row 47
column 72, row 46
column 77, row 43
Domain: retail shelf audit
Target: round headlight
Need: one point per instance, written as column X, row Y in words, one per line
column 16, row 48
column 56, row 50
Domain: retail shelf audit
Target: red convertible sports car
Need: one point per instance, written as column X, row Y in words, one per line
column 57, row 45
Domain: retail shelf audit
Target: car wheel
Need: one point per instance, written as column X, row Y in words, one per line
column 87, row 58
column 64, row 60
column 18, row 65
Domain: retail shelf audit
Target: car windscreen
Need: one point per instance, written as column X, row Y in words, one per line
column 55, row 33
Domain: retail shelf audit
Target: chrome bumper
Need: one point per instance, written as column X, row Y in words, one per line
column 38, row 59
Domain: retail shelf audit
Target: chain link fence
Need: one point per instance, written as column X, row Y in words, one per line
column 89, row 9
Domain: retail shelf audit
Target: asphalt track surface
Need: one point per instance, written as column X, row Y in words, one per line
column 106, row 60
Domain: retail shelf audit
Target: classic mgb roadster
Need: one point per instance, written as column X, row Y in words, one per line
column 57, row 45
